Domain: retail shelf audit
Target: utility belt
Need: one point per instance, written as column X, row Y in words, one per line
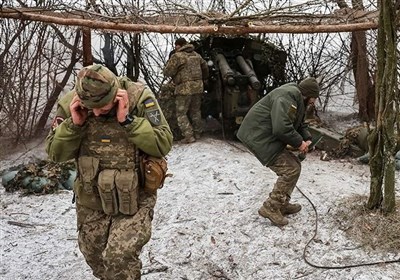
column 118, row 189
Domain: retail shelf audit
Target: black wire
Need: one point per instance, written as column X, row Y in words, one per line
column 339, row 266
column 315, row 234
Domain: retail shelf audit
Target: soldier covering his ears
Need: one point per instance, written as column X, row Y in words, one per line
column 108, row 124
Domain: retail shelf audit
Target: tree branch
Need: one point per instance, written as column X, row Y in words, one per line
column 247, row 28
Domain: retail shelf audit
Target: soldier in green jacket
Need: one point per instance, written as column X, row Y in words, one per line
column 188, row 71
column 107, row 124
column 275, row 121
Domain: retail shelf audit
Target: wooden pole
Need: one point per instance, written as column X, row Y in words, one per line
column 256, row 27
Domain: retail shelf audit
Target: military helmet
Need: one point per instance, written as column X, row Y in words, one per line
column 96, row 86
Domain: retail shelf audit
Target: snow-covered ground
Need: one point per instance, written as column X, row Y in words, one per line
column 206, row 224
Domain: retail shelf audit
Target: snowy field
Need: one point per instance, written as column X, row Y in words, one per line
column 206, row 224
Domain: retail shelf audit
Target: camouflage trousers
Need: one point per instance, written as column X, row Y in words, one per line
column 111, row 245
column 189, row 105
column 288, row 167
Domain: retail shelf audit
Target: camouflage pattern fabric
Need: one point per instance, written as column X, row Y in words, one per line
column 106, row 140
column 189, row 106
column 111, row 245
column 188, row 70
column 288, row 167
column 96, row 86
column 41, row 177
column 354, row 136
column 167, row 101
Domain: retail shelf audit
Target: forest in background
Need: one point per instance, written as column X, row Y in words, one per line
column 343, row 43
column 38, row 61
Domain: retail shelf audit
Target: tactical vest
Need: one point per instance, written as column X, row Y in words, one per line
column 192, row 68
column 107, row 168
column 107, row 140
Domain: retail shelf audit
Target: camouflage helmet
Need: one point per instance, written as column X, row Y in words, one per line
column 96, row 86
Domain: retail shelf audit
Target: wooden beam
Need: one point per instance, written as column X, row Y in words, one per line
column 87, row 46
column 203, row 29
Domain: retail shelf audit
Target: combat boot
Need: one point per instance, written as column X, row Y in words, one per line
column 273, row 213
column 289, row 208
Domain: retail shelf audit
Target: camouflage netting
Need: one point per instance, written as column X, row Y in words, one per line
column 353, row 136
column 40, row 177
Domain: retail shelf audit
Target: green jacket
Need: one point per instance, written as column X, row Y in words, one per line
column 149, row 130
column 274, row 122
column 188, row 70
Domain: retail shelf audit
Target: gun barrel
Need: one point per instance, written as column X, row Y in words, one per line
column 226, row 71
column 254, row 82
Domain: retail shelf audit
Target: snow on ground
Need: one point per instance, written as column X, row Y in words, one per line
column 206, row 224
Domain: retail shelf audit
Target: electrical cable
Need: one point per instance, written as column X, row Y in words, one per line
column 304, row 256
column 339, row 266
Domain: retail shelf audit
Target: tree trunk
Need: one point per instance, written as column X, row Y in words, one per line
column 108, row 53
column 383, row 140
column 132, row 49
column 87, row 46
column 362, row 78
column 364, row 85
column 363, row 82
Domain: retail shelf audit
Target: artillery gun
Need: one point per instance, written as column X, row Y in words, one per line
column 242, row 70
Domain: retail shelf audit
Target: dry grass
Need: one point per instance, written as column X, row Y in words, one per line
column 370, row 228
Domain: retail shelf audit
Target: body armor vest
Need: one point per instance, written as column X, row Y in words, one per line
column 192, row 68
column 108, row 141
column 107, row 168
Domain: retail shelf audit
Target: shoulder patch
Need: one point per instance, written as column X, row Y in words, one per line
column 56, row 122
column 149, row 102
column 154, row 116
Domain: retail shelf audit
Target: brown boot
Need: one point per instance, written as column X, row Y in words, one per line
column 273, row 213
column 289, row 208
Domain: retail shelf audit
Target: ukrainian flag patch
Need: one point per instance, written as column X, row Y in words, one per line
column 149, row 103
column 105, row 139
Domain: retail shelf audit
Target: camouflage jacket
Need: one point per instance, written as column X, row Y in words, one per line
column 188, row 70
column 149, row 131
column 273, row 122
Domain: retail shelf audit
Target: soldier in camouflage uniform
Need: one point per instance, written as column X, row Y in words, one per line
column 167, row 101
column 106, row 123
column 275, row 121
column 188, row 70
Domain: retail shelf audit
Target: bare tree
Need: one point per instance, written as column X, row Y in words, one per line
column 360, row 64
column 143, row 55
column 32, row 63
column 58, row 87
column 383, row 142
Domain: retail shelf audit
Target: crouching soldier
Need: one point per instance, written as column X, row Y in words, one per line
column 113, row 128
column 274, row 122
